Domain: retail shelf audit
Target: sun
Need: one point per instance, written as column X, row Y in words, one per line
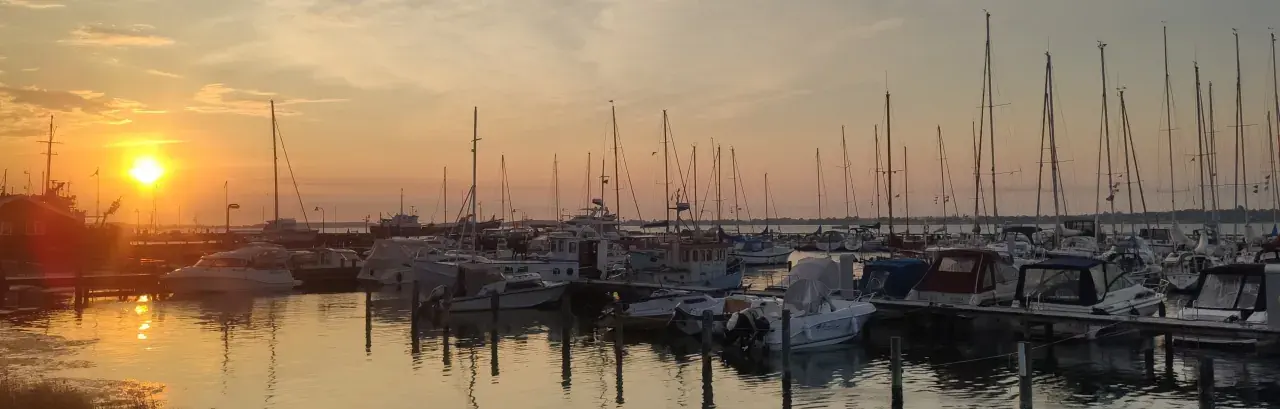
column 146, row 170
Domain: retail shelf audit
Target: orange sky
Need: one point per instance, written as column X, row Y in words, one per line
column 377, row 96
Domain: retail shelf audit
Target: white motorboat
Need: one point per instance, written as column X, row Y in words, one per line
column 390, row 260
column 253, row 268
column 1182, row 268
column 692, row 263
column 1083, row 285
column 652, row 312
column 1232, row 293
column 514, row 291
column 571, row 258
column 762, row 252
column 688, row 315
column 817, row 318
column 852, row 242
column 967, row 277
column 830, row 240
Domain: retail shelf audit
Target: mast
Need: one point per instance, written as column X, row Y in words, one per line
column 977, row 177
column 1053, row 144
column 1200, row 158
column 1271, row 179
column 475, row 139
column 444, row 193
column 617, row 178
column 588, row 179
column 401, row 200
column 666, row 170
column 555, row 183
column 1168, row 115
column 766, row 199
column 942, row 179
column 1131, row 152
column 1105, row 138
column 1241, row 171
column 906, row 193
column 1271, row 137
column 697, row 215
column 817, row 155
column 876, row 174
column 888, row 144
column 502, row 189
column 48, row 160
column 719, row 172
column 991, row 125
column 844, row 148
column 737, row 219
column 1211, row 136
column 275, row 163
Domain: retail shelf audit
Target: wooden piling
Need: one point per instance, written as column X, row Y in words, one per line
column 786, row 357
column 1024, row 374
column 493, row 305
column 708, row 394
column 895, row 368
column 368, row 322
column 566, row 341
column 493, row 336
column 617, row 352
column 1206, row 383
column 414, row 303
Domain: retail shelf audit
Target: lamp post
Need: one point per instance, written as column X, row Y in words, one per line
column 230, row 207
column 321, row 210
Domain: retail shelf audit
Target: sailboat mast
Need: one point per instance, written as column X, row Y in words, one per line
column 444, row 193
column 1168, row 115
column 697, row 214
column 844, row 148
column 1200, row 158
column 942, row 179
column 991, row 124
column 906, row 193
column 617, row 177
column 48, row 161
column 977, row 176
column 275, row 163
column 719, row 172
column 876, row 174
column 1241, row 171
column 666, row 171
column 1131, row 152
column 1053, row 144
column 502, row 189
column 1105, row 138
column 475, row 139
column 817, row 155
column 766, row 200
column 1125, row 135
column 1211, row 136
column 555, row 183
column 588, row 179
column 1275, row 96
column 737, row 219
column 888, row 145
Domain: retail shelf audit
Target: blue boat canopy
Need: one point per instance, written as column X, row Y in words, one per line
column 892, row 278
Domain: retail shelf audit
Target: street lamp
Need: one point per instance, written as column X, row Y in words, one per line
column 321, row 210
column 230, row 207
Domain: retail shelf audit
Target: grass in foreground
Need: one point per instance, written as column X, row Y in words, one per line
column 52, row 394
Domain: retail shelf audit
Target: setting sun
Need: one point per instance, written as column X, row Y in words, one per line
column 146, row 170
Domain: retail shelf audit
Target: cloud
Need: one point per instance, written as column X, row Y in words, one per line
column 24, row 111
column 32, row 69
column 221, row 99
column 163, row 74
column 137, row 35
column 31, row 4
column 143, row 142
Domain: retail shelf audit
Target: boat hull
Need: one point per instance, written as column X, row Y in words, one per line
column 774, row 256
column 520, row 299
column 210, row 284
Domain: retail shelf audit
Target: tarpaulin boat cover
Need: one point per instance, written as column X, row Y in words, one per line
column 823, row 270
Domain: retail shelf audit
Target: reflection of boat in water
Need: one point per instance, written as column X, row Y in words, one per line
column 251, row 268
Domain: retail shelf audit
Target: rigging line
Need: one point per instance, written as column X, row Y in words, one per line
column 630, row 186
column 292, row 177
column 737, row 180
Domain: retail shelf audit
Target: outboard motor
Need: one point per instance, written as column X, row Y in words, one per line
column 745, row 329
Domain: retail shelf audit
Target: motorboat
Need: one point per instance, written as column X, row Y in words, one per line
column 830, row 240
column 817, row 317
column 514, row 291
column 961, row 276
column 571, row 258
column 687, row 262
column 891, row 278
column 288, row 230
column 688, row 314
column 761, row 252
column 1182, row 268
column 1083, row 285
column 390, row 260
column 1231, row 293
column 852, row 242
column 257, row 267
column 652, row 312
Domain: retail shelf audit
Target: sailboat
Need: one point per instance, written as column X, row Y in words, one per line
column 757, row 250
column 278, row 230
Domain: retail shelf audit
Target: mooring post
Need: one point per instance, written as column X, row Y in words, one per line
column 790, row 264
column 617, row 352
column 1024, row 374
column 368, row 322
column 708, row 394
column 493, row 305
column 1149, row 358
column 895, row 368
column 786, row 355
column 1206, row 382
column 566, row 341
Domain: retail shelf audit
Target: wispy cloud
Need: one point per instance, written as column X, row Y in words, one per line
column 163, row 74
column 143, row 142
column 31, row 69
column 24, row 110
column 138, row 35
column 221, row 99
column 30, row 4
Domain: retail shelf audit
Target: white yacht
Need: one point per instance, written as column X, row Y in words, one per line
column 287, row 230
column 572, row 257
column 817, row 318
column 390, row 261
column 761, row 252
column 967, row 277
column 652, row 312
column 475, row 291
column 1232, row 293
column 688, row 262
column 256, row 267
column 1083, row 285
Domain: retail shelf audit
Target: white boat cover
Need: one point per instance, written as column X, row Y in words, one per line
column 820, row 269
column 391, row 254
column 806, row 296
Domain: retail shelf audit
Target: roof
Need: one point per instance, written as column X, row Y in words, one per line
column 34, row 199
column 1245, row 269
column 896, row 264
column 1066, row 262
column 967, row 252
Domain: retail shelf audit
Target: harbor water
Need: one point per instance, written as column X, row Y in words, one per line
column 355, row 349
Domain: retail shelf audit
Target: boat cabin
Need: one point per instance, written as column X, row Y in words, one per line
column 690, row 262
column 892, row 278
column 1268, row 254
column 967, row 276
column 755, row 245
column 255, row 257
column 1084, row 227
column 1237, row 287
column 325, row 258
column 1078, row 281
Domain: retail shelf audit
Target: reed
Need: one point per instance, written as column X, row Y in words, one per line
column 53, row 394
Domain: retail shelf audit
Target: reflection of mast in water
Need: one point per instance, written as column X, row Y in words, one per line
column 471, row 386
column 226, row 351
column 271, row 348
column 368, row 323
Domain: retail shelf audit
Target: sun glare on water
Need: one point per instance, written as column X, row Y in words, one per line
column 146, row 170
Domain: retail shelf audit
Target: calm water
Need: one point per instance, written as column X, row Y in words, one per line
column 344, row 350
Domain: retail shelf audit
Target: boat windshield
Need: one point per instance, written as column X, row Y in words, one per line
column 1229, row 292
column 1052, row 285
column 222, row 262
